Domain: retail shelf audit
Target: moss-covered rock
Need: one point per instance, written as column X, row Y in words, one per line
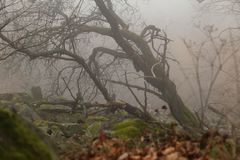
column 21, row 109
column 18, row 142
column 93, row 125
column 16, row 97
column 54, row 108
column 22, row 98
column 58, row 113
column 134, row 122
column 58, row 130
column 92, row 119
column 6, row 105
column 129, row 132
column 129, row 128
column 26, row 112
column 93, row 129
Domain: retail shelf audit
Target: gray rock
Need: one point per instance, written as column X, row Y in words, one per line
column 36, row 92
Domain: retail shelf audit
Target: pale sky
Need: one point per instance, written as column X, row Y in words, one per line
column 178, row 16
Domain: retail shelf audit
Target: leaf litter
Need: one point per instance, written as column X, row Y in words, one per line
column 151, row 146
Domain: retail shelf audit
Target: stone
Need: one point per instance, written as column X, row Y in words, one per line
column 36, row 92
column 18, row 142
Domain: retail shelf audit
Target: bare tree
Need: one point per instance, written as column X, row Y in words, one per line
column 60, row 30
column 216, row 74
column 230, row 39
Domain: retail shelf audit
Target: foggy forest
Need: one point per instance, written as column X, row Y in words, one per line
column 119, row 79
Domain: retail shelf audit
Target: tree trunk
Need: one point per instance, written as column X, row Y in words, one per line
column 177, row 107
column 144, row 63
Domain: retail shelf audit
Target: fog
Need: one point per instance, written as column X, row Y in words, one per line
column 119, row 79
column 178, row 18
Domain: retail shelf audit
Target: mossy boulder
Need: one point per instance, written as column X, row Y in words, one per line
column 93, row 129
column 22, row 98
column 134, row 122
column 93, row 125
column 55, row 129
column 129, row 128
column 92, row 119
column 54, row 108
column 26, row 112
column 58, row 113
column 21, row 109
column 17, row 97
column 18, row 142
column 6, row 105
column 129, row 132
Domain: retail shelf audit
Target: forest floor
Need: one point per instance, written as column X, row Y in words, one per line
column 102, row 136
column 176, row 146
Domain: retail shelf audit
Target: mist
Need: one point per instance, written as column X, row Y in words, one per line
column 179, row 19
column 164, row 61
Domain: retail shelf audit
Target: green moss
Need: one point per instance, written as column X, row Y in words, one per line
column 129, row 128
column 94, row 129
column 214, row 152
column 16, row 98
column 3, row 102
column 21, row 97
column 18, row 142
column 61, row 98
column 96, row 119
column 20, row 107
column 41, row 123
column 231, row 147
column 48, row 107
column 129, row 132
column 130, row 122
